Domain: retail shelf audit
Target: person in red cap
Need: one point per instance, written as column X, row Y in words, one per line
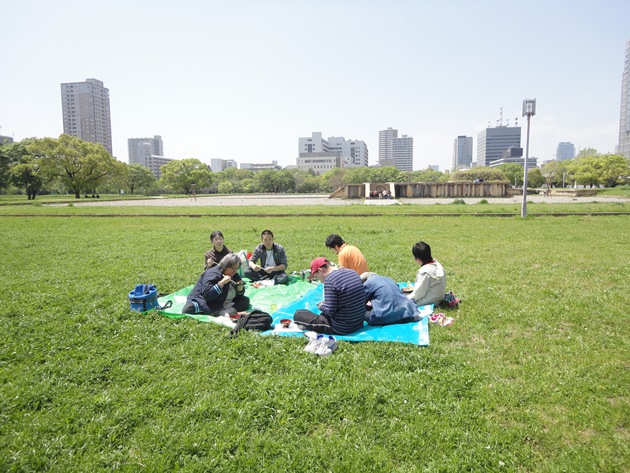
column 343, row 308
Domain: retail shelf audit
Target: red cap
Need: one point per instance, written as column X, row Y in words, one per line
column 316, row 264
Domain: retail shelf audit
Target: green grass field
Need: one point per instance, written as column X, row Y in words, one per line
column 532, row 376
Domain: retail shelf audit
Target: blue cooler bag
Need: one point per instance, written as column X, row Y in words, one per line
column 144, row 297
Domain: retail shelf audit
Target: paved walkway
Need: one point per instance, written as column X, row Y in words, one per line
column 320, row 199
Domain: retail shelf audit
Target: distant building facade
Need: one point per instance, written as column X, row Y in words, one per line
column 5, row 140
column 492, row 142
column 624, row 120
column 462, row 152
column 395, row 151
column 514, row 155
column 385, row 138
column 273, row 165
column 218, row 165
column 321, row 154
column 86, row 113
column 154, row 163
column 565, row 151
column 139, row 149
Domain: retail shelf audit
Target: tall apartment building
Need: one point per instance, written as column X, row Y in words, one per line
column 86, row 113
column 140, row 148
column 402, row 153
column 321, row 154
column 462, row 152
column 395, row 151
column 565, row 151
column 492, row 142
column 385, row 138
column 218, row 164
column 624, row 120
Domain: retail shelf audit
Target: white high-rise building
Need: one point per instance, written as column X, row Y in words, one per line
column 402, row 153
column 624, row 120
column 86, row 113
column 321, row 154
column 218, row 165
column 140, row 148
column 565, row 151
column 462, row 152
column 385, row 138
column 395, row 151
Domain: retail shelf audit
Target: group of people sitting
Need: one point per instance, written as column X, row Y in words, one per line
column 352, row 294
column 382, row 194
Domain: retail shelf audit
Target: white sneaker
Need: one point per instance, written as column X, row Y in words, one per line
column 327, row 346
column 314, row 341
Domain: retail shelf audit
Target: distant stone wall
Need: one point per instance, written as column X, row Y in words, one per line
column 428, row 189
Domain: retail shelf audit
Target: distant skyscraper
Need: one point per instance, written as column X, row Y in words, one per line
column 402, row 153
column 395, row 151
column 624, row 121
column 462, row 152
column 565, row 151
column 85, row 109
column 492, row 142
column 140, row 149
column 385, row 138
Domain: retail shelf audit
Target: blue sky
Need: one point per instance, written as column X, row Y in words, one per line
column 244, row 80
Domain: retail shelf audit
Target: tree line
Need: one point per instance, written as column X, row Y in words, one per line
column 69, row 165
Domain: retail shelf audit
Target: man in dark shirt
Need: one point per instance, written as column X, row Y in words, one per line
column 343, row 308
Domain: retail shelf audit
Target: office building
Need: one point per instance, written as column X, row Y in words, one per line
column 565, row 151
column 218, row 165
column 155, row 163
column 86, row 113
column 402, row 153
column 624, row 121
column 492, row 142
column 5, row 140
column 385, row 138
column 140, row 148
column 462, row 153
column 321, row 154
column 395, row 151
column 273, row 165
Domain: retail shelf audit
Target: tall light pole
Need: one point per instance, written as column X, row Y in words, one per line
column 529, row 110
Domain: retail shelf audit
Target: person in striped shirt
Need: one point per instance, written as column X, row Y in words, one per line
column 343, row 309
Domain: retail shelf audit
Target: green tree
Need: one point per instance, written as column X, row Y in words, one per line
column 584, row 170
column 29, row 174
column 385, row 174
column 11, row 154
column 138, row 177
column 513, row 172
column 587, row 152
column 535, row 178
column 557, row 172
column 485, row 173
column 186, row 175
column 357, row 175
column 613, row 169
column 333, row 179
column 77, row 164
column 425, row 175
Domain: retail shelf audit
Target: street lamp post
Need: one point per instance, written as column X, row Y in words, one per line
column 529, row 110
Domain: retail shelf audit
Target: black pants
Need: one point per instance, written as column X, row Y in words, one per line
column 307, row 320
column 241, row 303
column 279, row 277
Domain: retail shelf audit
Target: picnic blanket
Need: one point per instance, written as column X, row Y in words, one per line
column 282, row 301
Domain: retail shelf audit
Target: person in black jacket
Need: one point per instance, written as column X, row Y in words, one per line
column 219, row 290
column 273, row 261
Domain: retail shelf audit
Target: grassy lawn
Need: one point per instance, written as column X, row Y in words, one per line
column 532, row 376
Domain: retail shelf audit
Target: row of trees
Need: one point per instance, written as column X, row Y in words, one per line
column 71, row 165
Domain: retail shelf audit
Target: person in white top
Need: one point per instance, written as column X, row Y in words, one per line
column 430, row 285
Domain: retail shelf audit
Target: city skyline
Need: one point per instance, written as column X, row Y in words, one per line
column 239, row 81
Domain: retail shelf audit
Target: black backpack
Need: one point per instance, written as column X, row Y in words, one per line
column 255, row 320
